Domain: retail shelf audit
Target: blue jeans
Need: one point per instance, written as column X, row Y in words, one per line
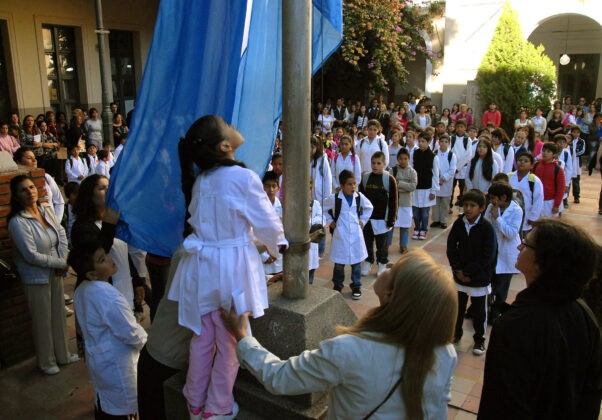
column 500, row 283
column 311, row 276
column 322, row 246
column 404, row 234
column 338, row 276
column 421, row 218
column 390, row 237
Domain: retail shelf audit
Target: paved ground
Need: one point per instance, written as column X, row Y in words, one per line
column 28, row 394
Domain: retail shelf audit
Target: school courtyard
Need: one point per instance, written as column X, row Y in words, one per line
column 29, row 394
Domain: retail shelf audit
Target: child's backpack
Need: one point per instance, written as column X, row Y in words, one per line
column 556, row 169
column 385, row 179
column 464, row 140
column 518, row 198
column 338, row 202
column 505, row 148
column 380, row 143
column 449, row 156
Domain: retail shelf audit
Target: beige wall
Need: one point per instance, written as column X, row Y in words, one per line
column 25, row 52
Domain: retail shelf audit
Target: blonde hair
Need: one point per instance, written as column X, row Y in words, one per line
column 420, row 316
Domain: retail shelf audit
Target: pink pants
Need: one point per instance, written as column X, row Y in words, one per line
column 211, row 375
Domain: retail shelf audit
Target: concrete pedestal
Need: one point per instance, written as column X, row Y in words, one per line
column 288, row 328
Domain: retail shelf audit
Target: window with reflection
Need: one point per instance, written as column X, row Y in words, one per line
column 121, row 44
column 61, row 67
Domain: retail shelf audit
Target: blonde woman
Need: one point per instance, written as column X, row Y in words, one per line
column 395, row 362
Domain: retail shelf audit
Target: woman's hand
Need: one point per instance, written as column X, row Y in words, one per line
column 111, row 215
column 236, row 324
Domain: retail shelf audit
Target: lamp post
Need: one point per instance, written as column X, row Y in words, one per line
column 105, row 74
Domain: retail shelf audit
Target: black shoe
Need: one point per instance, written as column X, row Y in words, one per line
column 337, row 289
column 443, row 226
column 576, row 200
column 435, row 224
column 478, row 349
column 565, row 202
column 356, row 293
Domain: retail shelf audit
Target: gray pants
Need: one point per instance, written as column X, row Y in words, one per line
column 47, row 309
column 441, row 209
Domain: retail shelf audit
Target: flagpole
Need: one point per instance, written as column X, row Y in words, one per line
column 296, row 104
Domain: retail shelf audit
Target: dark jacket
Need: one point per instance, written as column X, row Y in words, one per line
column 543, row 362
column 384, row 202
column 84, row 230
column 474, row 254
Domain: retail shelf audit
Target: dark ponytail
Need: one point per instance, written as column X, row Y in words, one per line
column 199, row 147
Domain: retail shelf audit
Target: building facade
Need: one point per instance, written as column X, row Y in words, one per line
column 49, row 53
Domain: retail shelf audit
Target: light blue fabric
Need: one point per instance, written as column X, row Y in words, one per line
column 201, row 62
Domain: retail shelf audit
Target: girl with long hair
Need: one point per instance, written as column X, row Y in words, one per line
column 395, row 362
column 482, row 167
column 227, row 210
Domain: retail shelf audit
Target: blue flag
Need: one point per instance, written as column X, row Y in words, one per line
column 218, row 57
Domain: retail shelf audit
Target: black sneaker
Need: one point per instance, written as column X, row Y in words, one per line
column 435, row 224
column 576, row 201
column 356, row 293
column 566, row 203
column 478, row 349
column 337, row 289
column 443, row 226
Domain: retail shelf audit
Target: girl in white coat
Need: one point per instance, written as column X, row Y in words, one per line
column 482, row 166
column 506, row 217
column 113, row 337
column 320, row 173
column 228, row 209
column 346, row 222
column 362, row 368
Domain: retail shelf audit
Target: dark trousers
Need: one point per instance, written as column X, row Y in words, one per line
column 382, row 251
column 500, row 283
column 478, row 309
column 101, row 415
column 462, row 184
column 151, row 375
column 577, row 186
column 158, row 278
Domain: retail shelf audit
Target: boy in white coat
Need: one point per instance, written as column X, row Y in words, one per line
column 346, row 214
column 112, row 335
column 565, row 159
column 75, row 169
column 447, row 162
column 272, row 264
column 506, row 217
column 462, row 148
column 531, row 188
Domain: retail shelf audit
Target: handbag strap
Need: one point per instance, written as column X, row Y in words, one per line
column 385, row 400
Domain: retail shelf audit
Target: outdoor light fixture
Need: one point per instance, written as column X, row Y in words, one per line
column 565, row 59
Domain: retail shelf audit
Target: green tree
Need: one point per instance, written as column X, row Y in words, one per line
column 379, row 38
column 514, row 73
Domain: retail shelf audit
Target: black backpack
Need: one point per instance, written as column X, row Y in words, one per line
column 338, row 202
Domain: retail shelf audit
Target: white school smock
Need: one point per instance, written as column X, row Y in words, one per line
column 533, row 201
column 447, row 171
column 347, row 245
column 322, row 177
column 565, row 158
column 228, row 210
column 499, row 160
column 103, row 169
column 366, row 148
column 315, row 218
column 122, row 279
column 113, row 342
column 507, row 232
column 508, row 159
column 276, row 266
column 463, row 156
column 478, row 181
column 351, row 163
column 74, row 168
column 55, row 198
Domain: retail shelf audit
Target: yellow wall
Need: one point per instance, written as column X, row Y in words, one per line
column 25, row 53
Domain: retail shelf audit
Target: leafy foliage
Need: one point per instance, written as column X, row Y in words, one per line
column 379, row 37
column 514, row 73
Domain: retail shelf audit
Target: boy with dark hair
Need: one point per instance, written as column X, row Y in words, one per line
column 471, row 250
column 272, row 264
column 346, row 213
column 277, row 166
column 506, row 216
column 550, row 173
column 578, row 149
column 530, row 187
column 462, row 149
column 380, row 188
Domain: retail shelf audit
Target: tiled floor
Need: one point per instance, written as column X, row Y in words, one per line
column 27, row 394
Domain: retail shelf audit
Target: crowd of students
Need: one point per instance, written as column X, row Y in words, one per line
column 369, row 173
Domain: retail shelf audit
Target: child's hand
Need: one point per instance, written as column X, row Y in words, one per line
column 333, row 225
column 139, row 295
column 111, row 216
column 495, row 212
column 361, row 224
column 236, row 324
column 555, row 210
column 431, row 196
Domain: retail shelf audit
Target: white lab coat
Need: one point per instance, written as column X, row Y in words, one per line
column 55, row 198
column 447, row 170
column 340, row 163
column 113, row 343
column 533, row 201
column 463, row 156
column 365, row 149
column 322, row 177
column 508, row 159
column 499, row 160
column 276, row 266
column 228, row 210
column 347, row 245
column 74, row 168
column 565, row 158
column 507, row 232
column 315, row 218
column 103, row 169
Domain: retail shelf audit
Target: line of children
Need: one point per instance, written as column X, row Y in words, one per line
column 381, row 189
column 347, row 212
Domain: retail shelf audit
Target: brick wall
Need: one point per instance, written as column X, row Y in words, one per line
column 16, row 342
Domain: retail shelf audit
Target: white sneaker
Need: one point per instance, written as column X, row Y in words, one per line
column 230, row 415
column 51, row 370
column 381, row 269
column 68, row 311
column 366, row 266
column 74, row 358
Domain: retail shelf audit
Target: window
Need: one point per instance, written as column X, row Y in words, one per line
column 61, row 67
column 123, row 75
column 580, row 77
column 5, row 105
